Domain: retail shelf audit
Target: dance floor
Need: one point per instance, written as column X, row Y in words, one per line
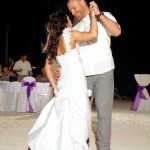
column 130, row 129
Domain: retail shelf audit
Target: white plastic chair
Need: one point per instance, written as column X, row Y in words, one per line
column 44, row 94
column 142, row 98
column 27, row 99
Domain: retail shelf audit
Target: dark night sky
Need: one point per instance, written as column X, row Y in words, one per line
column 25, row 22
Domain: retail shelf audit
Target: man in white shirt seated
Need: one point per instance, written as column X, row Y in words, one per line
column 22, row 67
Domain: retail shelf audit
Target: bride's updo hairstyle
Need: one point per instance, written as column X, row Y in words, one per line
column 56, row 24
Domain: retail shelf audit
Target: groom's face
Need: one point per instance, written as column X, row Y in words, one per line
column 76, row 7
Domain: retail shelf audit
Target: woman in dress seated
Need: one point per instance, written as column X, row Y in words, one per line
column 42, row 77
column 6, row 73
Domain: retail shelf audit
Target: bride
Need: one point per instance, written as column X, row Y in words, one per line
column 65, row 122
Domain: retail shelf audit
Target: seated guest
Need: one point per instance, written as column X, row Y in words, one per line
column 11, row 61
column 0, row 69
column 42, row 77
column 6, row 73
column 22, row 67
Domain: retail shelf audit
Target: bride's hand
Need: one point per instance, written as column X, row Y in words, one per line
column 55, row 92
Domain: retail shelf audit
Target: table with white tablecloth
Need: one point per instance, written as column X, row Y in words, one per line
column 9, row 92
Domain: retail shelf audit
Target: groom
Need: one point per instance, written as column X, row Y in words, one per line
column 98, row 63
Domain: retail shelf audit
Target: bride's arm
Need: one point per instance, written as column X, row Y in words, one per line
column 48, row 69
column 93, row 32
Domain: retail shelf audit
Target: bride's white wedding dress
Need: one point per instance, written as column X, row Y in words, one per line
column 65, row 122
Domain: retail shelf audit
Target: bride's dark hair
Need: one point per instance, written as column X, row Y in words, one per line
column 54, row 27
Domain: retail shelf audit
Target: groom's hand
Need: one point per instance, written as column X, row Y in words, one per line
column 57, row 73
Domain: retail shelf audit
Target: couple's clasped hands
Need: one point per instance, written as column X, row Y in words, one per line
column 94, row 9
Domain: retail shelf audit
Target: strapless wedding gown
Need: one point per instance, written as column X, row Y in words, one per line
column 65, row 122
